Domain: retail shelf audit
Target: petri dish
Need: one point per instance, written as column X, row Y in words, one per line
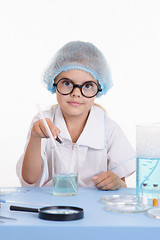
column 120, row 199
column 130, row 207
column 154, row 212
column 7, row 191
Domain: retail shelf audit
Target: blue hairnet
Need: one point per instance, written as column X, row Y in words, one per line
column 78, row 55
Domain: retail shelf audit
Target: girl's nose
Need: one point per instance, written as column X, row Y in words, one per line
column 76, row 92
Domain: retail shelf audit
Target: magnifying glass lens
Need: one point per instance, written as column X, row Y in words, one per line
column 60, row 211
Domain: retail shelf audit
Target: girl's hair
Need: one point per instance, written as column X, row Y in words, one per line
column 95, row 104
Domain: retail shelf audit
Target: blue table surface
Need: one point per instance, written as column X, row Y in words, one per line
column 96, row 222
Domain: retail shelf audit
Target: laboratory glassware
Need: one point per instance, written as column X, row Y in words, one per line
column 123, row 204
column 65, row 179
column 144, row 197
column 148, row 157
column 154, row 212
column 119, row 199
column 155, row 195
column 131, row 207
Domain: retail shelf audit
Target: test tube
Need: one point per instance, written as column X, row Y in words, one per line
column 144, row 194
column 155, row 195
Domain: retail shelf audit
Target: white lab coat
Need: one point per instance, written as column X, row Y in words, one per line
column 102, row 146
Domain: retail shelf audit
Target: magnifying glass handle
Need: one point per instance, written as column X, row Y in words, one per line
column 23, row 209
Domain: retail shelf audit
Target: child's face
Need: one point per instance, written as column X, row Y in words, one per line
column 75, row 104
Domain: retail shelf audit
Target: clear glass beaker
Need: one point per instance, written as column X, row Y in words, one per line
column 148, row 157
column 65, row 171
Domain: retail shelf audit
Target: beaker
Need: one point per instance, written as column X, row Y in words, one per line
column 148, row 157
column 65, row 172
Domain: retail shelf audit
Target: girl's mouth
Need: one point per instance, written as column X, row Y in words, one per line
column 75, row 104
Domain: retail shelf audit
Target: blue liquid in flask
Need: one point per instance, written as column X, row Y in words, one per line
column 65, row 184
column 148, row 171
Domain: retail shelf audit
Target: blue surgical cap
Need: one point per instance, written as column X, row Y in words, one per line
column 78, row 55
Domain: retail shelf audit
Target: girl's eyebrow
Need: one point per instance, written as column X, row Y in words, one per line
column 58, row 78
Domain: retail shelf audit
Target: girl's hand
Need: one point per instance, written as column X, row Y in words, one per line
column 108, row 181
column 39, row 130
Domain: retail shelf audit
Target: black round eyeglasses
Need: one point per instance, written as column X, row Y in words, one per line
column 88, row 89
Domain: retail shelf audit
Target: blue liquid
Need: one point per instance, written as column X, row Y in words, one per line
column 148, row 171
column 65, row 184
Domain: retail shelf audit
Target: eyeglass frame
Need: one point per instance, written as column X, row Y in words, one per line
column 99, row 89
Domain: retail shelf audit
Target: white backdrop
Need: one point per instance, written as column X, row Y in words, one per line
column 31, row 31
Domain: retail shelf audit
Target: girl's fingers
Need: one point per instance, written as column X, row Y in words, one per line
column 43, row 130
column 107, row 181
column 54, row 130
column 111, row 186
column 36, row 130
column 40, row 130
column 101, row 177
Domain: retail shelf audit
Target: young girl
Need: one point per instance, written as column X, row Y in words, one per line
column 78, row 74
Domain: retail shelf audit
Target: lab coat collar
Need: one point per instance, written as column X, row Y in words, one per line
column 93, row 132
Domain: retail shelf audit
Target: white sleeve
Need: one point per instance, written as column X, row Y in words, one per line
column 121, row 155
column 44, row 170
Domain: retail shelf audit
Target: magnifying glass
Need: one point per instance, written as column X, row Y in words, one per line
column 54, row 213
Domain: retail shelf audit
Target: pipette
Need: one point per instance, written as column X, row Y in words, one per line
column 21, row 202
column 50, row 135
column 54, row 143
